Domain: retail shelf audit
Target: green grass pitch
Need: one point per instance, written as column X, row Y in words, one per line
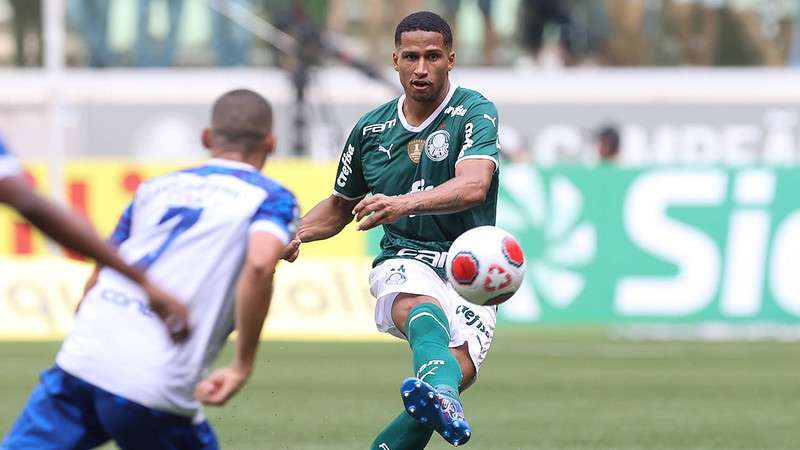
column 568, row 389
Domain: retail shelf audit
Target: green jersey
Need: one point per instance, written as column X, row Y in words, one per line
column 386, row 155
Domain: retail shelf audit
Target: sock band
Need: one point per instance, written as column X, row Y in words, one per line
column 419, row 314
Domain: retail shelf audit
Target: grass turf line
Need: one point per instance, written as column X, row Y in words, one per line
column 566, row 389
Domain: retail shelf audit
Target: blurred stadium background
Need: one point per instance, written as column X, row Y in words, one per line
column 661, row 305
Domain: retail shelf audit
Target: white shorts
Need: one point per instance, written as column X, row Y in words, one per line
column 468, row 323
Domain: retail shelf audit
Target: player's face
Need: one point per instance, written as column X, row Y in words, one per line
column 423, row 62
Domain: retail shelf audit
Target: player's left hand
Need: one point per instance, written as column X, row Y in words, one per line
column 220, row 386
column 379, row 209
column 292, row 250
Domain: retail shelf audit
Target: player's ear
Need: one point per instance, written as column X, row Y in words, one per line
column 205, row 138
column 451, row 59
column 269, row 143
column 394, row 60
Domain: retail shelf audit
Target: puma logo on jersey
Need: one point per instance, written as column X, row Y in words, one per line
column 491, row 119
column 388, row 151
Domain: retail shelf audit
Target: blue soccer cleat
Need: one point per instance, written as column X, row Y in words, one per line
column 442, row 412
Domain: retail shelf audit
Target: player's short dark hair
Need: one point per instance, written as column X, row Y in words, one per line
column 240, row 119
column 610, row 136
column 424, row 21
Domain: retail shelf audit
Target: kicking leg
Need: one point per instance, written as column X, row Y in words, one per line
column 404, row 432
column 432, row 397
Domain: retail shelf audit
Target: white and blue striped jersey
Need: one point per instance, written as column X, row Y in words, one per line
column 190, row 230
column 8, row 164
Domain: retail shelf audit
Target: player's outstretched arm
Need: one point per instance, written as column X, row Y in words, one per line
column 73, row 232
column 466, row 190
column 325, row 220
column 253, row 296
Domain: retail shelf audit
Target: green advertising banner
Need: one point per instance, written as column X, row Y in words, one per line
column 606, row 245
column 679, row 245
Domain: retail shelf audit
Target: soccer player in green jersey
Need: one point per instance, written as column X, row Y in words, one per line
column 429, row 159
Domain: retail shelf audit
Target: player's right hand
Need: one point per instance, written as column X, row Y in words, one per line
column 220, row 386
column 292, row 250
column 173, row 313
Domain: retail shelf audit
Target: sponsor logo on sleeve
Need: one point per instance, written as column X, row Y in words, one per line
column 467, row 138
column 347, row 159
column 491, row 119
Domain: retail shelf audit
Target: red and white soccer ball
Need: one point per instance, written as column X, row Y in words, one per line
column 485, row 265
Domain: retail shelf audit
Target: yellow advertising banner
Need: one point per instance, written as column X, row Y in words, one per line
column 314, row 299
column 101, row 189
column 17, row 237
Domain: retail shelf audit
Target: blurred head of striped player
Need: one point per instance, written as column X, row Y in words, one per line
column 240, row 126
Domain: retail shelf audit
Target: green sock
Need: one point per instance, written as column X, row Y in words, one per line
column 403, row 433
column 428, row 334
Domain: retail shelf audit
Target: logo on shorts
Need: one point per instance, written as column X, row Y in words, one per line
column 397, row 276
column 472, row 319
column 437, row 145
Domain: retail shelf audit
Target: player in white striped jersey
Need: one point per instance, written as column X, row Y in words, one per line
column 212, row 235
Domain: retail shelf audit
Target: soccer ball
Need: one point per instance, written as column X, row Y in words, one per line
column 485, row 265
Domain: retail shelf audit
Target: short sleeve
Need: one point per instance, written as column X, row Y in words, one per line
column 122, row 231
column 9, row 166
column 350, row 183
column 278, row 214
column 479, row 136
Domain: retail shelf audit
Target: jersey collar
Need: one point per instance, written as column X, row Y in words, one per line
column 430, row 118
column 230, row 164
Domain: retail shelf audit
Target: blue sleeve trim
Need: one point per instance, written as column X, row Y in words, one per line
column 122, row 231
column 280, row 207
